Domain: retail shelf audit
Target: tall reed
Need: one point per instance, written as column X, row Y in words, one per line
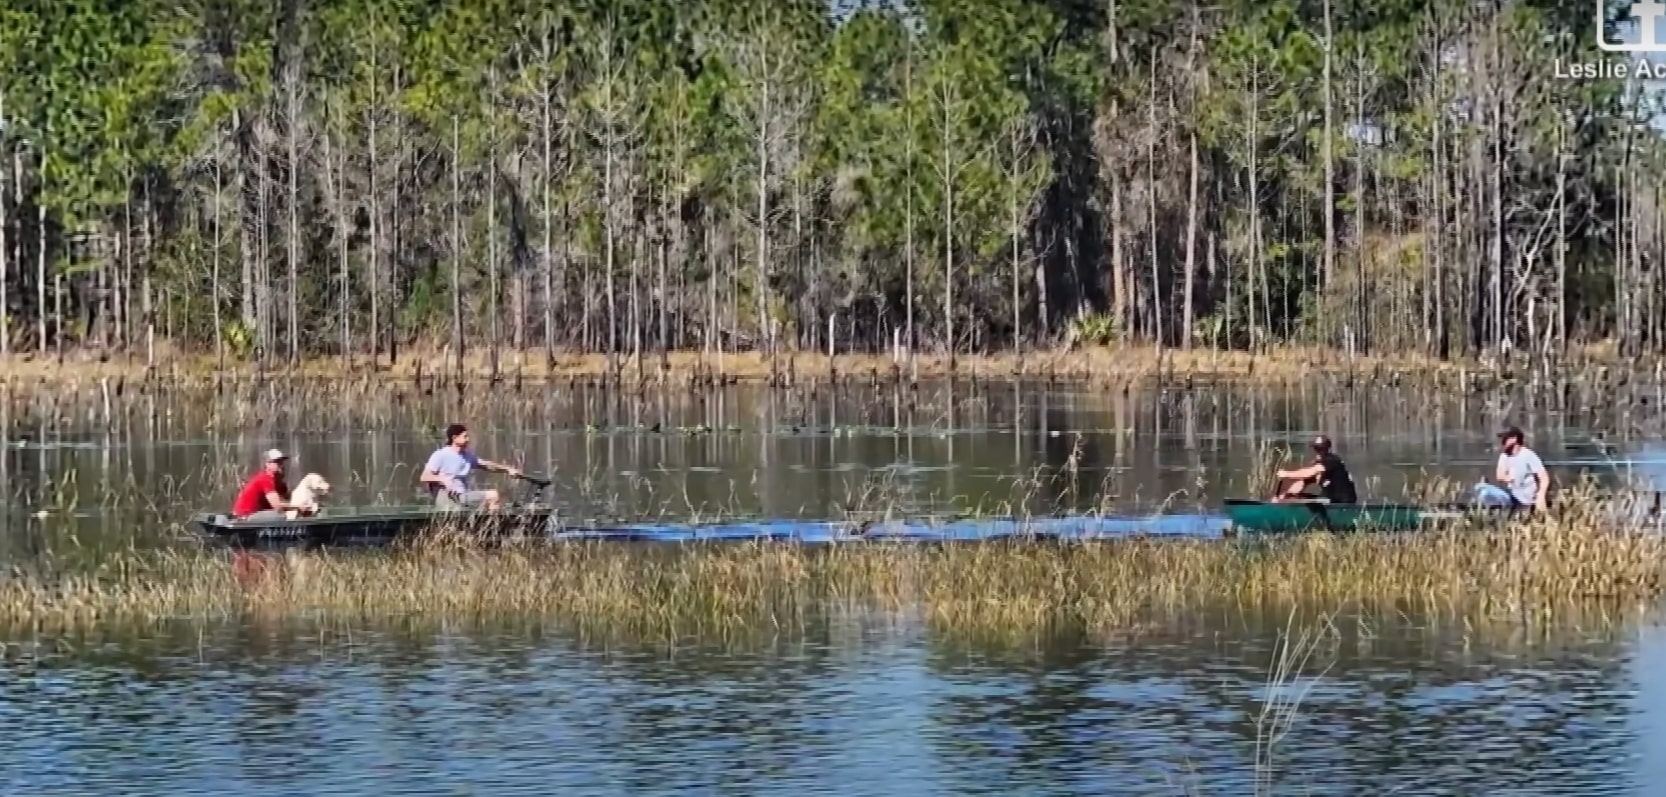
column 1534, row 569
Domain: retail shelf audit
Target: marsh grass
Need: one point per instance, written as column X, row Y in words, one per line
column 1531, row 571
column 1282, row 362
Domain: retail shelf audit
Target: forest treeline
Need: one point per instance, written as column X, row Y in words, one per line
column 279, row 179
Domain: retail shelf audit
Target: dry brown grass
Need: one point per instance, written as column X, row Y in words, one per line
column 1539, row 569
column 1123, row 362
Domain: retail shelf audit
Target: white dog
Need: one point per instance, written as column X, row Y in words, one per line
column 305, row 496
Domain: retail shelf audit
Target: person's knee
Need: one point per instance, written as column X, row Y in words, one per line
column 491, row 496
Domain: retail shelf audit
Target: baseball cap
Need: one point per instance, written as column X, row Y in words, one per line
column 274, row 455
column 1512, row 432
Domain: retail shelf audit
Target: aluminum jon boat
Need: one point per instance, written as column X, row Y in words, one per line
column 347, row 526
column 350, row 526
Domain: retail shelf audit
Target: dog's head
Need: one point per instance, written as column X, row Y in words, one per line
column 316, row 484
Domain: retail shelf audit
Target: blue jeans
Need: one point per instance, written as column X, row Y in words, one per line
column 1491, row 495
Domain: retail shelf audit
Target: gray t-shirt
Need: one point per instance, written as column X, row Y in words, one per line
column 449, row 462
column 1519, row 469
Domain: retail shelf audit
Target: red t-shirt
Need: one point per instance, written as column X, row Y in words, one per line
column 252, row 498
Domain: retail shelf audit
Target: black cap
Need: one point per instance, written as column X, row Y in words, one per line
column 1512, row 432
column 1321, row 444
column 452, row 431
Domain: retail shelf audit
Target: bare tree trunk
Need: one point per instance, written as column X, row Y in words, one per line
column 491, row 229
column 147, row 263
column 611, row 242
column 292, row 79
column 1257, row 271
column 395, row 240
column 716, row 260
column 636, row 302
column 950, row 174
column 373, row 267
column 762, row 290
column 1151, row 208
column 664, row 289
column 1561, row 233
column 1361, row 316
column 214, row 290
column 1187, row 320
column 1437, row 207
column 1497, row 192
column 249, row 248
column 127, row 334
column 549, row 221
column 1621, row 322
column 58, row 314
column 1330, row 165
column 1013, row 233
column 263, row 264
column 5, row 257
column 1122, row 310
column 457, row 245
column 40, row 266
column 1121, row 281
column 346, row 276
column 908, row 201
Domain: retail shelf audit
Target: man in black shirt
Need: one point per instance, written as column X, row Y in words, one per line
column 1327, row 471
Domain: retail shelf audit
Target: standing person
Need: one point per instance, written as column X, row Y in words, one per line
column 265, row 496
column 1327, row 471
column 1522, row 481
column 447, row 473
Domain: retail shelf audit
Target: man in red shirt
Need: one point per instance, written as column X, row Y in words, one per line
column 265, row 496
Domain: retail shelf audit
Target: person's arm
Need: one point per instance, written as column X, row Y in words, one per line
column 1501, row 473
column 1310, row 472
column 274, row 498
column 1536, row 467
column 498, row 467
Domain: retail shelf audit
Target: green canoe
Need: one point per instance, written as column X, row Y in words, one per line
column 1266, row 517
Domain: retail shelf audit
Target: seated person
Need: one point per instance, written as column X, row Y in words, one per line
column 447, row 473
column 265, row 496
column 1523, row 484
column 1327, row 471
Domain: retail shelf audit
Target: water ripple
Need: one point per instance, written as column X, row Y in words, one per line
column 877, row 712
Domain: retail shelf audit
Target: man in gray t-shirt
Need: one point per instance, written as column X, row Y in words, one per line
column 1520, row 471
column 446, row 475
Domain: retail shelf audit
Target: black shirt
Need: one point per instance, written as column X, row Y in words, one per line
column 1335, row 483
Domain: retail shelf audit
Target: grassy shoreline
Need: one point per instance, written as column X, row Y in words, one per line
column 1097, row 363
column 1541, row 569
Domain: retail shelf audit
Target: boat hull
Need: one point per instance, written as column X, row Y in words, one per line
column 1284, row 517
column 381, row 526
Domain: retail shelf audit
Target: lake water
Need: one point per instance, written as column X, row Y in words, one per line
column 136, row 477
column 860, row 705
column 864, row 706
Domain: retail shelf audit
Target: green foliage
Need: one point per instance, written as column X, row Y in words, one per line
column 880, row 136
column 1092, row 330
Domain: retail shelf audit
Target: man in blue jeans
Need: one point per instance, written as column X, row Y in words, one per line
column 1522, row 479
column 447, row 473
